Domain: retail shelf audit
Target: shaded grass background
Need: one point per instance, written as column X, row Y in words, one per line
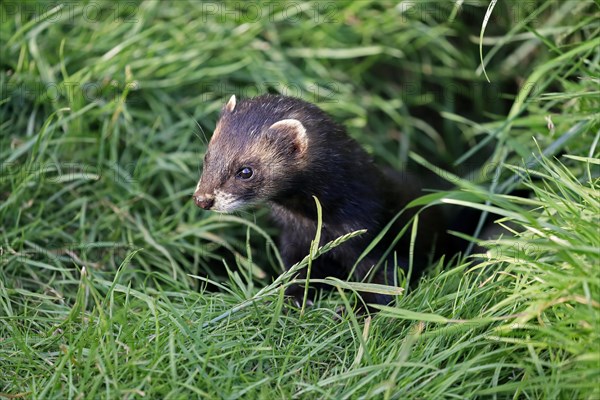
column 105, row 111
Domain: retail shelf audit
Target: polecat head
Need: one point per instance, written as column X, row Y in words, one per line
column 257, row 150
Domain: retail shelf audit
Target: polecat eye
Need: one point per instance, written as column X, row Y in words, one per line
column 245, row 173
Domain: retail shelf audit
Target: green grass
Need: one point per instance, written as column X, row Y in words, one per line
column 114, row 285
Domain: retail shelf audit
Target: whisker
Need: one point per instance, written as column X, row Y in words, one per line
column 203, row 137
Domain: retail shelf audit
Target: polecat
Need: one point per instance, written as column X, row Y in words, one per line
column 281, row 151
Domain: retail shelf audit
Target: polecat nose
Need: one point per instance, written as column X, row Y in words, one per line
column 204, row 201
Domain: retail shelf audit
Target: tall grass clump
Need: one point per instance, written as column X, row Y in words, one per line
column 113, row 285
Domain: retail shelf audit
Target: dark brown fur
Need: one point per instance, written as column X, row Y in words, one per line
column 354, row 193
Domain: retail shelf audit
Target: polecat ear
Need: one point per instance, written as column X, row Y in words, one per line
column 230, row 106
column 292, row 130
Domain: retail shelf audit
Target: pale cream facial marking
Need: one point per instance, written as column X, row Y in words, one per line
column 198, row 185
column 224, row 202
